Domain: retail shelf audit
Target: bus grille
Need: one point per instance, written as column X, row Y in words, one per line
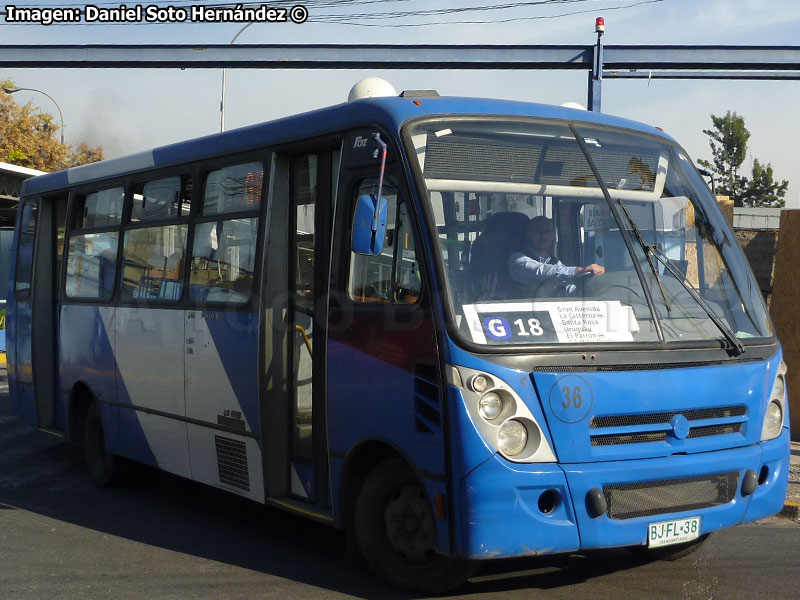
column 636, row 438
column 232, row 463
column 701, row 422
column 631, row 500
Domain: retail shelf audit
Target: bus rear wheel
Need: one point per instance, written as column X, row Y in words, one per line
column 669, row 553
column 396, row 533
column 102, row 465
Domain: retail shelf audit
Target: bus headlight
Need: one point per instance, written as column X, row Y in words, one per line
column 479, row 383
column 776, row 409
column 490, row 406
column 779, row 389
column 512, row 437
column 773, row 421
column 498, row 411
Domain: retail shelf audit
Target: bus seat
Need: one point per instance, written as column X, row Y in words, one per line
column 503, row 235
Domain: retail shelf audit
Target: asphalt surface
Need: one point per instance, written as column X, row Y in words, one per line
column 156, row 536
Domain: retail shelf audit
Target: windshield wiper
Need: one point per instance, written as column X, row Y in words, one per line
column 737, row 346
column 623, row 232
column 645, row 248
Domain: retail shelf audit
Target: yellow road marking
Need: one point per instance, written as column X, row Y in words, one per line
column 308, row 513
column 51, row 432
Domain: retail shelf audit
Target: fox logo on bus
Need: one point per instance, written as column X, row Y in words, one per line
column 361, row 142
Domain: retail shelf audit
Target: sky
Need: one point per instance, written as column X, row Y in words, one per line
column 128, row 110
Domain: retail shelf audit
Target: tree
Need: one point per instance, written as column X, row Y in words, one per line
column 83, row 155
column 28, row 138
column 762, row 190
column 728, row 141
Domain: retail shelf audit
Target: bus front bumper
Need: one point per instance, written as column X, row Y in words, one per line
column 507, row 509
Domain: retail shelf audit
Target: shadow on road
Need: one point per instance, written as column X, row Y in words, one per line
column 41, row 474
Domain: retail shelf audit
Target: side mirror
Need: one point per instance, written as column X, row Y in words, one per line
column 369, row 225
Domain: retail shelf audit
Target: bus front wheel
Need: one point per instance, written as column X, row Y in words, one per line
column 101, row 464
column 396, row 533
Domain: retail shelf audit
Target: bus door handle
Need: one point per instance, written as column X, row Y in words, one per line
column 302, row 331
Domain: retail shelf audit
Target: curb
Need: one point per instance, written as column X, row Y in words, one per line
column 791, row 510
column 791, row 505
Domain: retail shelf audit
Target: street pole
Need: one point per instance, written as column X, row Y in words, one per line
column 596, row 74
column 14, row 90
column 222, row 100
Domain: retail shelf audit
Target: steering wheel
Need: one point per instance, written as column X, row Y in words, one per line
column 554, row 287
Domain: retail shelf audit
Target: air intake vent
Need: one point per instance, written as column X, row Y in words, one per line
column 656, row 427
column 631, row 500
column 427, row 413
column 613, row 368
column 419, row 94
column 635, row 438
column 464, row 158
column 232, row 463
column 515, row 158
column 697, row 432
column 695, row 414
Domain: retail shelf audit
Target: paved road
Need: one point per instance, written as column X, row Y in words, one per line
column 158, row 537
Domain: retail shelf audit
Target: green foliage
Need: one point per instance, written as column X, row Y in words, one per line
column 2, row 319
column 29, row 137
column 728, row 140
column 763, row 190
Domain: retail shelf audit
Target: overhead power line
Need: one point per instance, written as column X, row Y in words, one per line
column 351, row 20
column 380, row 18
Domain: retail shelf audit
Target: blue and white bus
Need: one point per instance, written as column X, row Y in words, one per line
column 325, row 314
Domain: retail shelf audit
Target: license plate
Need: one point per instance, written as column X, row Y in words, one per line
column 665, row 533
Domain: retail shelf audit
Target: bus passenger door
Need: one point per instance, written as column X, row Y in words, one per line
column 35, row 286
column 298, row 256
column 221, row 345
column 19, row 318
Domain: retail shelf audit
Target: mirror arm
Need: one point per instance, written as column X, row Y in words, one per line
column 378, row 147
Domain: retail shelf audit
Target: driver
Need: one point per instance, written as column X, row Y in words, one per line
column 539, row 264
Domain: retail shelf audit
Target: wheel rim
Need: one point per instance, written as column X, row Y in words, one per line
column 409, row 523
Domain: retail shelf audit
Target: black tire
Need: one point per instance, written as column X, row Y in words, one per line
column 103, row 466
column 669, row 552
column 403, row 556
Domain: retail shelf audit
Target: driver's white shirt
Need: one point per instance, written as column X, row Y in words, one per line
column 524, row 269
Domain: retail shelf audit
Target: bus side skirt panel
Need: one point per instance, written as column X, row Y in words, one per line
column 221, row 388
column 383, row 399
column 87, row 355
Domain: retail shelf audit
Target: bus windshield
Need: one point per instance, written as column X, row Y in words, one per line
column 550, row 233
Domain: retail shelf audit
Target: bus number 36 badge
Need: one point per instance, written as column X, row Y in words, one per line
column 571, row 399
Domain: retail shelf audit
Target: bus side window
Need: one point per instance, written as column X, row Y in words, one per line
column 24, row 271
column 91, row 265
column 408, row 281
column 92, row 255
column 99, row 209
column 161, row 199
column 222, row 264
column 394, row 274
column 152, row 267
column 223, row 261
column 233, row 188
